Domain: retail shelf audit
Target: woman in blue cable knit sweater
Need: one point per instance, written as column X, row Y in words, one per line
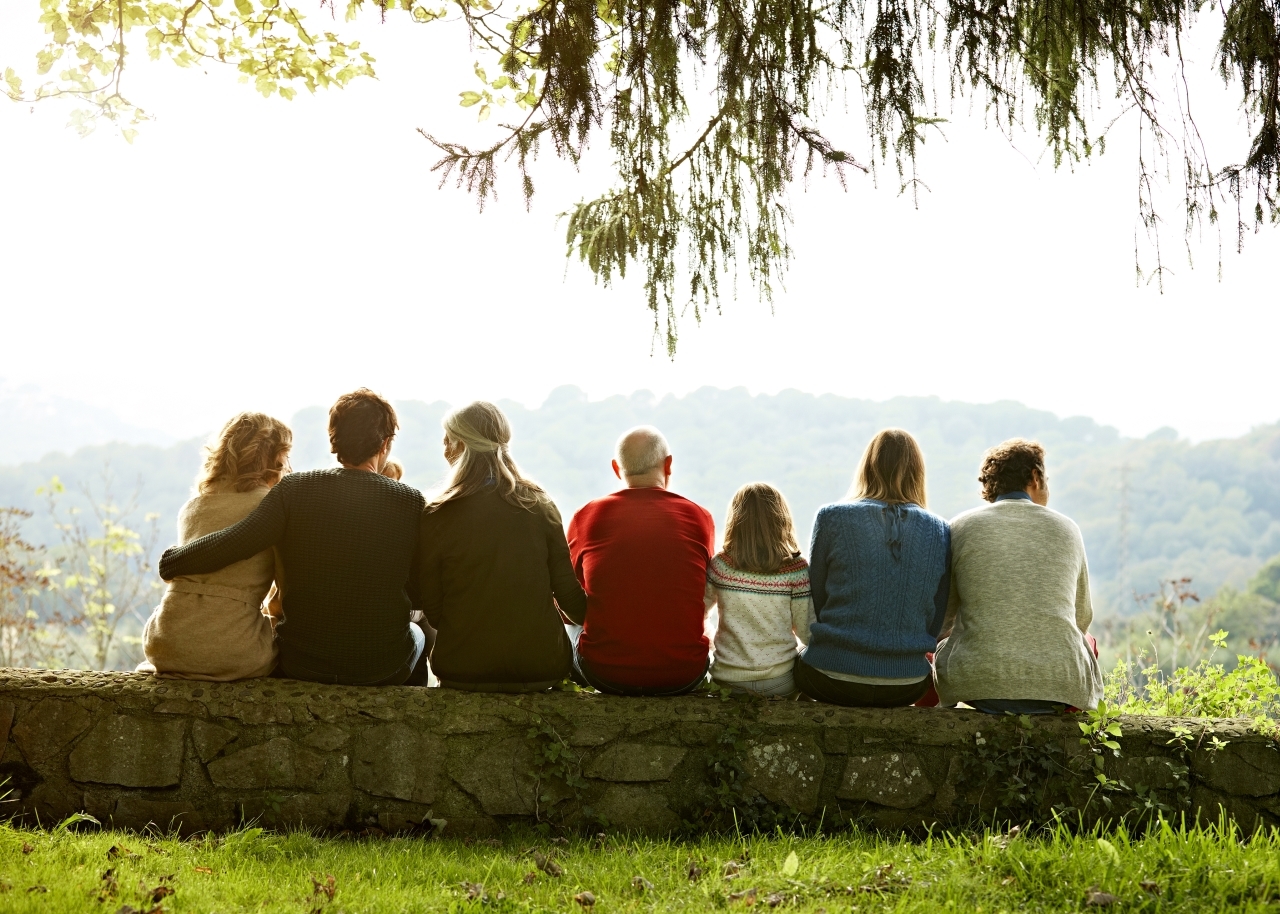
column 879, row 570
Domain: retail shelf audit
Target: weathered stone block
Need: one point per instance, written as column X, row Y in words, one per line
column 259, row 712
column 1145, row 771
column 835, row 741
column 44, row 732
column 890, row 779
column 946, row 794
column 1241, row 769
column 275, row 763
column 322, row 708
column 628, row 807
column 131, row 751
column 181, row 706
column 136, row 812
column 210, row 739
column 635, row 762
column 7, row 711
column 1210, row 806
column 393, row 760
column 594, row 733
column 499, row 775
column 54, row 801
column 787, row 771
column 326, row 738
column 306, row 810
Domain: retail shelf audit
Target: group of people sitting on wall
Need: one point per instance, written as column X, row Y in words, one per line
column 348, row 575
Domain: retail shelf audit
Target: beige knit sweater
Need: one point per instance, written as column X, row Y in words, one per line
column 211, row 626
column 1020, row 604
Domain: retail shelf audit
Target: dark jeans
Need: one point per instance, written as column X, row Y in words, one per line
column 583, row 676
column 821, row 687
column 412, row 672
column 510, row 688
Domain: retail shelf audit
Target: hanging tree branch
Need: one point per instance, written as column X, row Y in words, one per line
column 707, row 105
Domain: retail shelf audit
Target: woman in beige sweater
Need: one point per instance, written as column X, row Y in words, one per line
column 212, row 626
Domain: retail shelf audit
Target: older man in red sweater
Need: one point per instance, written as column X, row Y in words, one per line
column 641, row 555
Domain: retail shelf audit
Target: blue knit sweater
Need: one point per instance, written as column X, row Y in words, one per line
column 880, row 576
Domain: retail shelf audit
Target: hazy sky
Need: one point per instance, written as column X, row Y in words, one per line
column 246, row 253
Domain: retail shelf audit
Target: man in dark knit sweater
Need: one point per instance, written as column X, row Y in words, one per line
column 348, row 540
column 641, row 555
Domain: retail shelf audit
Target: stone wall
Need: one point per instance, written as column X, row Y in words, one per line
column 133, row 751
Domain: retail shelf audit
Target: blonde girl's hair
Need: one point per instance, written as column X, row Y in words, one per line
column 394, row 469
column 246, row 455
column 485, row 436
column 760, row 535
column 891, row 470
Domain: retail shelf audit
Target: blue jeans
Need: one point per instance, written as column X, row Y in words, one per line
column 412, row 672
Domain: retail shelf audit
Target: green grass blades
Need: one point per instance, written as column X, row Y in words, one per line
column 1169, row 869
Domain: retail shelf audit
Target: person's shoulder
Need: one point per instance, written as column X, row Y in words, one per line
column 837, row 509
column 675, row 498
column 1062, row 522
column 973, row 517
column 402, row 492
column 719, row 567
column 986, row 509
column 596, row 505
column 937, row 520
column 301, row 480
column 548, row 511
column 689, row 509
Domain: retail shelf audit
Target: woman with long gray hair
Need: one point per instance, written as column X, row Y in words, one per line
column 494, row 566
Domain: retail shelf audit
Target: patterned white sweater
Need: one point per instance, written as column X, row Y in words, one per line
column 761, row 618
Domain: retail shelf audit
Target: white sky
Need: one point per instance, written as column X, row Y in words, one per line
column 247, row 253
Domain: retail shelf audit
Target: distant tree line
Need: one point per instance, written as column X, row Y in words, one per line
column 1151, row 510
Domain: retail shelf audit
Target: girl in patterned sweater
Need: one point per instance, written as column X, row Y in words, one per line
column 761, row 584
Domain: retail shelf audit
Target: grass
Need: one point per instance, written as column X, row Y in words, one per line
column 1170, row 869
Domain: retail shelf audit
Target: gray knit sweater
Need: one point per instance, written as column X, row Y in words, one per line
column 1020, row 605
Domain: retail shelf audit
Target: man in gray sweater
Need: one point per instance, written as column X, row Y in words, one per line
column 1015, row 638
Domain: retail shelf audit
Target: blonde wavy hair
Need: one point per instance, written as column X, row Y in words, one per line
column 246, row 455
column 891, row 470
column 485, row 436
column 760, row 535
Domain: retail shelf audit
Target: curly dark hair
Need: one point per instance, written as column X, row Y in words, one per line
column 359, row 424
column 1010, row 467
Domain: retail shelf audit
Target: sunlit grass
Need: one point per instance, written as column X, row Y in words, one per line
column 1053, row 870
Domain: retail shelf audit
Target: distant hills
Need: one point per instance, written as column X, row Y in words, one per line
column 35, row 423
column 1149, row 508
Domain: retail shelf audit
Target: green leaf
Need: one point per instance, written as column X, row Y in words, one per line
column 1109, row 851
column 469, row 98
column 75, row 819
column 791, row 865
column 244, row 8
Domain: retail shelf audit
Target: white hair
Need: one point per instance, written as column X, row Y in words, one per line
column 640, row 450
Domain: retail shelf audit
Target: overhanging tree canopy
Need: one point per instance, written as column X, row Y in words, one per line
column 703, row 177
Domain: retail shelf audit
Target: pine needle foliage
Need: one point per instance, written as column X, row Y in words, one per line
column 712, row 108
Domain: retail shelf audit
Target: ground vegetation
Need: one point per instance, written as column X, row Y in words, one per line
column 75, row 867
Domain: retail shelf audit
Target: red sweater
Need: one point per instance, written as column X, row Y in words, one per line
column 641, row 556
